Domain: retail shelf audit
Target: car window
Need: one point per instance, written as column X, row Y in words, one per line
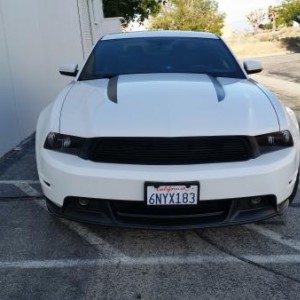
column 161, row 55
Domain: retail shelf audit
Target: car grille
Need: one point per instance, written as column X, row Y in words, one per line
column 170, row 151
column 139, row 212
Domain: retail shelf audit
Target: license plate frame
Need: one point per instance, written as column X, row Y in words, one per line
column 195, row 184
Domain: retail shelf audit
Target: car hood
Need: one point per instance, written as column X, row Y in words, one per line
column 167, row 105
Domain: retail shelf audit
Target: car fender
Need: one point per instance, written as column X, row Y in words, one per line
column 49, row 121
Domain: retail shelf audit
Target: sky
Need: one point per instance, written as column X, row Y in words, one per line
column 236, row 11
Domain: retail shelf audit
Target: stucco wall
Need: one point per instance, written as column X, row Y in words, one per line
column 36, row 37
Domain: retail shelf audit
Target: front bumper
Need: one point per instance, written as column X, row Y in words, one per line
column 135, row 214
column 64, row 175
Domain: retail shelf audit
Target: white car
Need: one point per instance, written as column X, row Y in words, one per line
column 166, row 130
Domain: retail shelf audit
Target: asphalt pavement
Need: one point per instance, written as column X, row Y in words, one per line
column 43, row 257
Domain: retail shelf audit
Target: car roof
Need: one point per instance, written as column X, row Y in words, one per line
column 161, row 33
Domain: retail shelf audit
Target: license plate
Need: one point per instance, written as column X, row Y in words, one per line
column 158, row 194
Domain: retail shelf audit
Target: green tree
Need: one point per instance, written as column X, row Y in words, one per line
column 290, row 11
column 194, row 15
column 131, row 9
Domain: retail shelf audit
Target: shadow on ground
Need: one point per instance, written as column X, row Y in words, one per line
column 291, row 44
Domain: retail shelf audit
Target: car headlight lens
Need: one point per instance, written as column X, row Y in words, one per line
column 64, row 143
column 274, row 141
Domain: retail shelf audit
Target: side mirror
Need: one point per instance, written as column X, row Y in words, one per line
column 69, row 70
column 253, row 66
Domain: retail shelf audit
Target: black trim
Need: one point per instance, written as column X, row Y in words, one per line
column 168, row 151
column 171, row 151
column 135, row 214
column 254, row 71
column 71, row 74
column 295, row 190
column 112, row 89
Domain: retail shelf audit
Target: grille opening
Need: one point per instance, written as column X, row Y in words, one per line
column 171, row 151
column 206, row 211
column 137, row 213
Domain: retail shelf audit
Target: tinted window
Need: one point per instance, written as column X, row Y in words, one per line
column 161, row 55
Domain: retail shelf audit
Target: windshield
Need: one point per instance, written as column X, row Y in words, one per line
column 161, row 55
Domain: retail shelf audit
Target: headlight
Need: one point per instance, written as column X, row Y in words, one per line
column 64, row 143
column 274, row 141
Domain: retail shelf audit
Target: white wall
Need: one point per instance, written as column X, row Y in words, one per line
column 111, row 25
column 9, row 129
column 36, row 37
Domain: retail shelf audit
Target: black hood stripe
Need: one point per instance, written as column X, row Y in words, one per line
column 219, row 88
column 112, row 89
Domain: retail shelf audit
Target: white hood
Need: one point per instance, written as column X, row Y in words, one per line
column 167, row 105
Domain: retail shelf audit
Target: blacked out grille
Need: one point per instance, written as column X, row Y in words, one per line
column 170, row 151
